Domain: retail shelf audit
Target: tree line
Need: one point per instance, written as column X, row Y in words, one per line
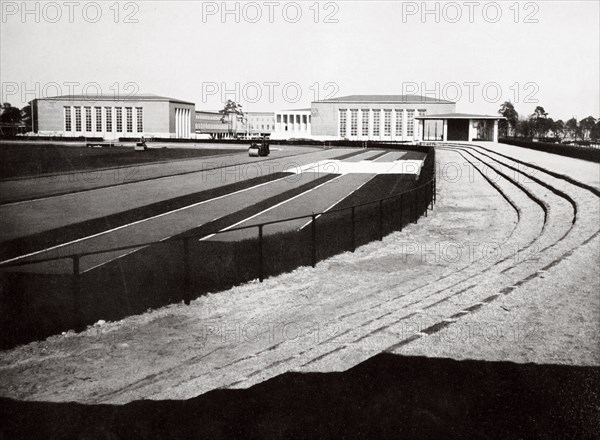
column 11, row 117
column 541, row 126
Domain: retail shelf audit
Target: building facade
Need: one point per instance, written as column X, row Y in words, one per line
column 399, row 118
column 259, row 124
column 374, row 117
column 209, row 124
column 251, row 125
column 459, row 127
column 112, row 118
column 293, row 124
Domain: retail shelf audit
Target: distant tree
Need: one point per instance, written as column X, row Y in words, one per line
column 508, row 127
column 541, row 126
column 595, row 134
column 550, row 128
column 26, row 117
column 10, row 113
column 232, row 112
column 524, row 128
column 572, row 129
column 559, row 129
column 539, row 112
column 586, row 126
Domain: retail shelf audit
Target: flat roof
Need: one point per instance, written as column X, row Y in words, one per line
column 148, row 97
column 459, row 116
column 389, row 99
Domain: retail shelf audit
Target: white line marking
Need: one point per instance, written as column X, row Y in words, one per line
column 272, row 207
column 349, row 194
column 124, row 255
column 114, row 259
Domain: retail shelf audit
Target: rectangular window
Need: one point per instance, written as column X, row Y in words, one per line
column 68, row 121
column 88, row 119
column 422, row 113
column 78, row 119
column 129, row 113
column 139, row 111
column 353, row 122
column 343, row 123
column 399, row 117
column 376, row 122
column 119, row 119
column 365, row 122
column 99, row 119
column 410, row 122
column 387, row 122
column 108, row 111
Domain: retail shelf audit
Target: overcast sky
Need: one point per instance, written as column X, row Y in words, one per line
column 281, row 59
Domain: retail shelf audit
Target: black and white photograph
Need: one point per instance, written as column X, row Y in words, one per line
column 299, row 220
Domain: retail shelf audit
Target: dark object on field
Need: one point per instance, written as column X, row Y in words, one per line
column 141, row 146
column 259, row 149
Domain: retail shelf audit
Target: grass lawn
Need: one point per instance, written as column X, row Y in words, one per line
column 31, row 159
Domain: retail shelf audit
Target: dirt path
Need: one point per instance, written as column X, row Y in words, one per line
column 502, row 269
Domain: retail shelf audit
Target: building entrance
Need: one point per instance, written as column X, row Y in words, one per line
column 458, row 129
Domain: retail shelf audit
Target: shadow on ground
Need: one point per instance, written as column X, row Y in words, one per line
column 387, row 396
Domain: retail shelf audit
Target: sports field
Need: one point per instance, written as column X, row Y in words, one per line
column 62, row 217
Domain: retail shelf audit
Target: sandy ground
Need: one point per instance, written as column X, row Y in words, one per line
column 481, row 277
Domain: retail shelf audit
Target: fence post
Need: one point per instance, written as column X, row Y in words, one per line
column 353, row 231
column 186, row 274
column 380, row 219
column 401, row 210
column 314, row 240
column 416, row 206
column 76, row 292
column 430, row 196
column 261, row 274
